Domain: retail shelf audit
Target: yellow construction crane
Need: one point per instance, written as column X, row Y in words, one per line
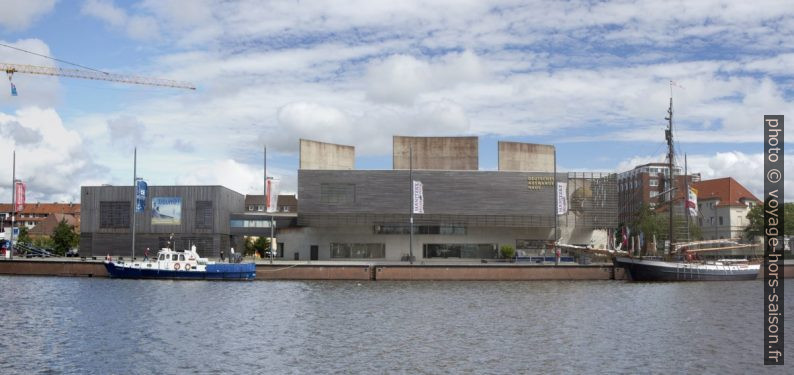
column 10, row 69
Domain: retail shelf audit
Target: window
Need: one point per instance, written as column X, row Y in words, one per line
column 174, row 257
column 114, row 214
column 653, row 182
column 182, row 257
column 260, row 207
column 337, row 193
column 720, row 220
column 451, row 230
column 711, row 220
column 162, row 257
column 251, row 207
column 476, row 251
column 358, row 250
column 204, row 215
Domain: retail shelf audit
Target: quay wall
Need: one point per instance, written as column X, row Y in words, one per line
column 305, row 271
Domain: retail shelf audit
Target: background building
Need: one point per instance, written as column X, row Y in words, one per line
column 645, row 185
column 362, row 214
column 194, row 215
column 723, row 205
column 34, row 213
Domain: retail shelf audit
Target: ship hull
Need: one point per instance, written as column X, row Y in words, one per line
column 223, row 271
column 645, row 270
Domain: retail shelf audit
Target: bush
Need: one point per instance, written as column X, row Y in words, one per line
column 507, row 251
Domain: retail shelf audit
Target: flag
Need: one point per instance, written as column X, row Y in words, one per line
column 141, row 190
column 692, row 202
column 271, row 195
column 13, row 89
column 418, row 198
column 19, row 192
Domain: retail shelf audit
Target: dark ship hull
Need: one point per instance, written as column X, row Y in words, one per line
column 657, row 270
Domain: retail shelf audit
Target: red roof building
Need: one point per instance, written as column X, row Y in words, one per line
column 723, row 204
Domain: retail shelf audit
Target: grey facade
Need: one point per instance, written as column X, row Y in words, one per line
column 467, row 214
column 203, row 221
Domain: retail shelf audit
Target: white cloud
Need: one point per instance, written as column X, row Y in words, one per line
column 400, row 79
column 234, row 175
column 18, row 15
column 33, row 90
column 53, row 162
column 140, row 27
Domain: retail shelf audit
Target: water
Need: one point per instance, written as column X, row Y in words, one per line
column 105, row 326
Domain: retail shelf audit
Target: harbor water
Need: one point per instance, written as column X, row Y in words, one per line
column 54, row 325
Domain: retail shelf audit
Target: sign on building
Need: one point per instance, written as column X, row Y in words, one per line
column 166, row 211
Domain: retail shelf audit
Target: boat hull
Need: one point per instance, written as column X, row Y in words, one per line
column 642, row 270
column 223, row 271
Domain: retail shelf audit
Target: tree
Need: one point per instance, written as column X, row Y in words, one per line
column 64, row 238
column 259, row 245
column 24, row 236
column 788, row 216
column 507, row 251
column 756, row 219
column 649, row 222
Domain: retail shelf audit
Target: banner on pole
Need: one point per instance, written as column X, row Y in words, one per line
column 419, row 198
column 141, row 190
column 692, row 202
column 271, row 195
column 19, row 192
column 562, row 198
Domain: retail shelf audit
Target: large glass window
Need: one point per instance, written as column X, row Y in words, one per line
column 114, row 214
column 204, row 215
column 358, row 250
column 476, row 251
column 450, row 230
column 337, row 193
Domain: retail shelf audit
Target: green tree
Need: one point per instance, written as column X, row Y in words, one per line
column 259, row 245
column 649, row 222
column 756, row 219
column 64, row 238
column 24, row 236
column 507, row 251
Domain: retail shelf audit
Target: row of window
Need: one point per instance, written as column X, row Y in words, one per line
column 453, row 230
column 261, row 208
column 116, row 215
column 444, row 250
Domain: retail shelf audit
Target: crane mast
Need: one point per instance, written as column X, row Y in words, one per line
column 10, row 69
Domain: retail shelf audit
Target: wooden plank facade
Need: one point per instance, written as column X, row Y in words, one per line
column 204, row 220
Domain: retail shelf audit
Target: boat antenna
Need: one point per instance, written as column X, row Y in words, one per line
column 668, row 133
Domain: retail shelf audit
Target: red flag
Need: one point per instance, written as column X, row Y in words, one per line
column 19, row 191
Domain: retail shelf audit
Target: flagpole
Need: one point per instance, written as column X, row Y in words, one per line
column 134, row 195
column 686, row 199
column 10, row 251
column 411, row 178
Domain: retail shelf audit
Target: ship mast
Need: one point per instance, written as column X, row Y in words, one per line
column 670, row 157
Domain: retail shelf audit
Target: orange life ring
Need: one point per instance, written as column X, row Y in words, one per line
column 176, row 266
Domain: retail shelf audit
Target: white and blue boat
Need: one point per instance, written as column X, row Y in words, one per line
column 187, row 264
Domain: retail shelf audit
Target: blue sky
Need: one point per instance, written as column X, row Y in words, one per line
column 589, row 77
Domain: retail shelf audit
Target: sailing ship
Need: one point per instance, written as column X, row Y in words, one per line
column 682, row 263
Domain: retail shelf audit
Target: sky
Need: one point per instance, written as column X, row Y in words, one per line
column 590, row 77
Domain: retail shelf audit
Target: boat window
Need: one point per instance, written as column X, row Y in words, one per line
column 162, row 257
column 174, row 257
column 182, row 257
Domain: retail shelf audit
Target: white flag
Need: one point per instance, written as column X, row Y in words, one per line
column 419, row 198
column 692, row 202
column 271, row 198
column 562, row 198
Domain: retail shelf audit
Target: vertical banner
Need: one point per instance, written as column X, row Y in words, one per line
column 562, row 198
column 141, row 190
column 692, row 202
column 419, row 198
column 19, row 191
column 773, row 236
column 271, row 198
